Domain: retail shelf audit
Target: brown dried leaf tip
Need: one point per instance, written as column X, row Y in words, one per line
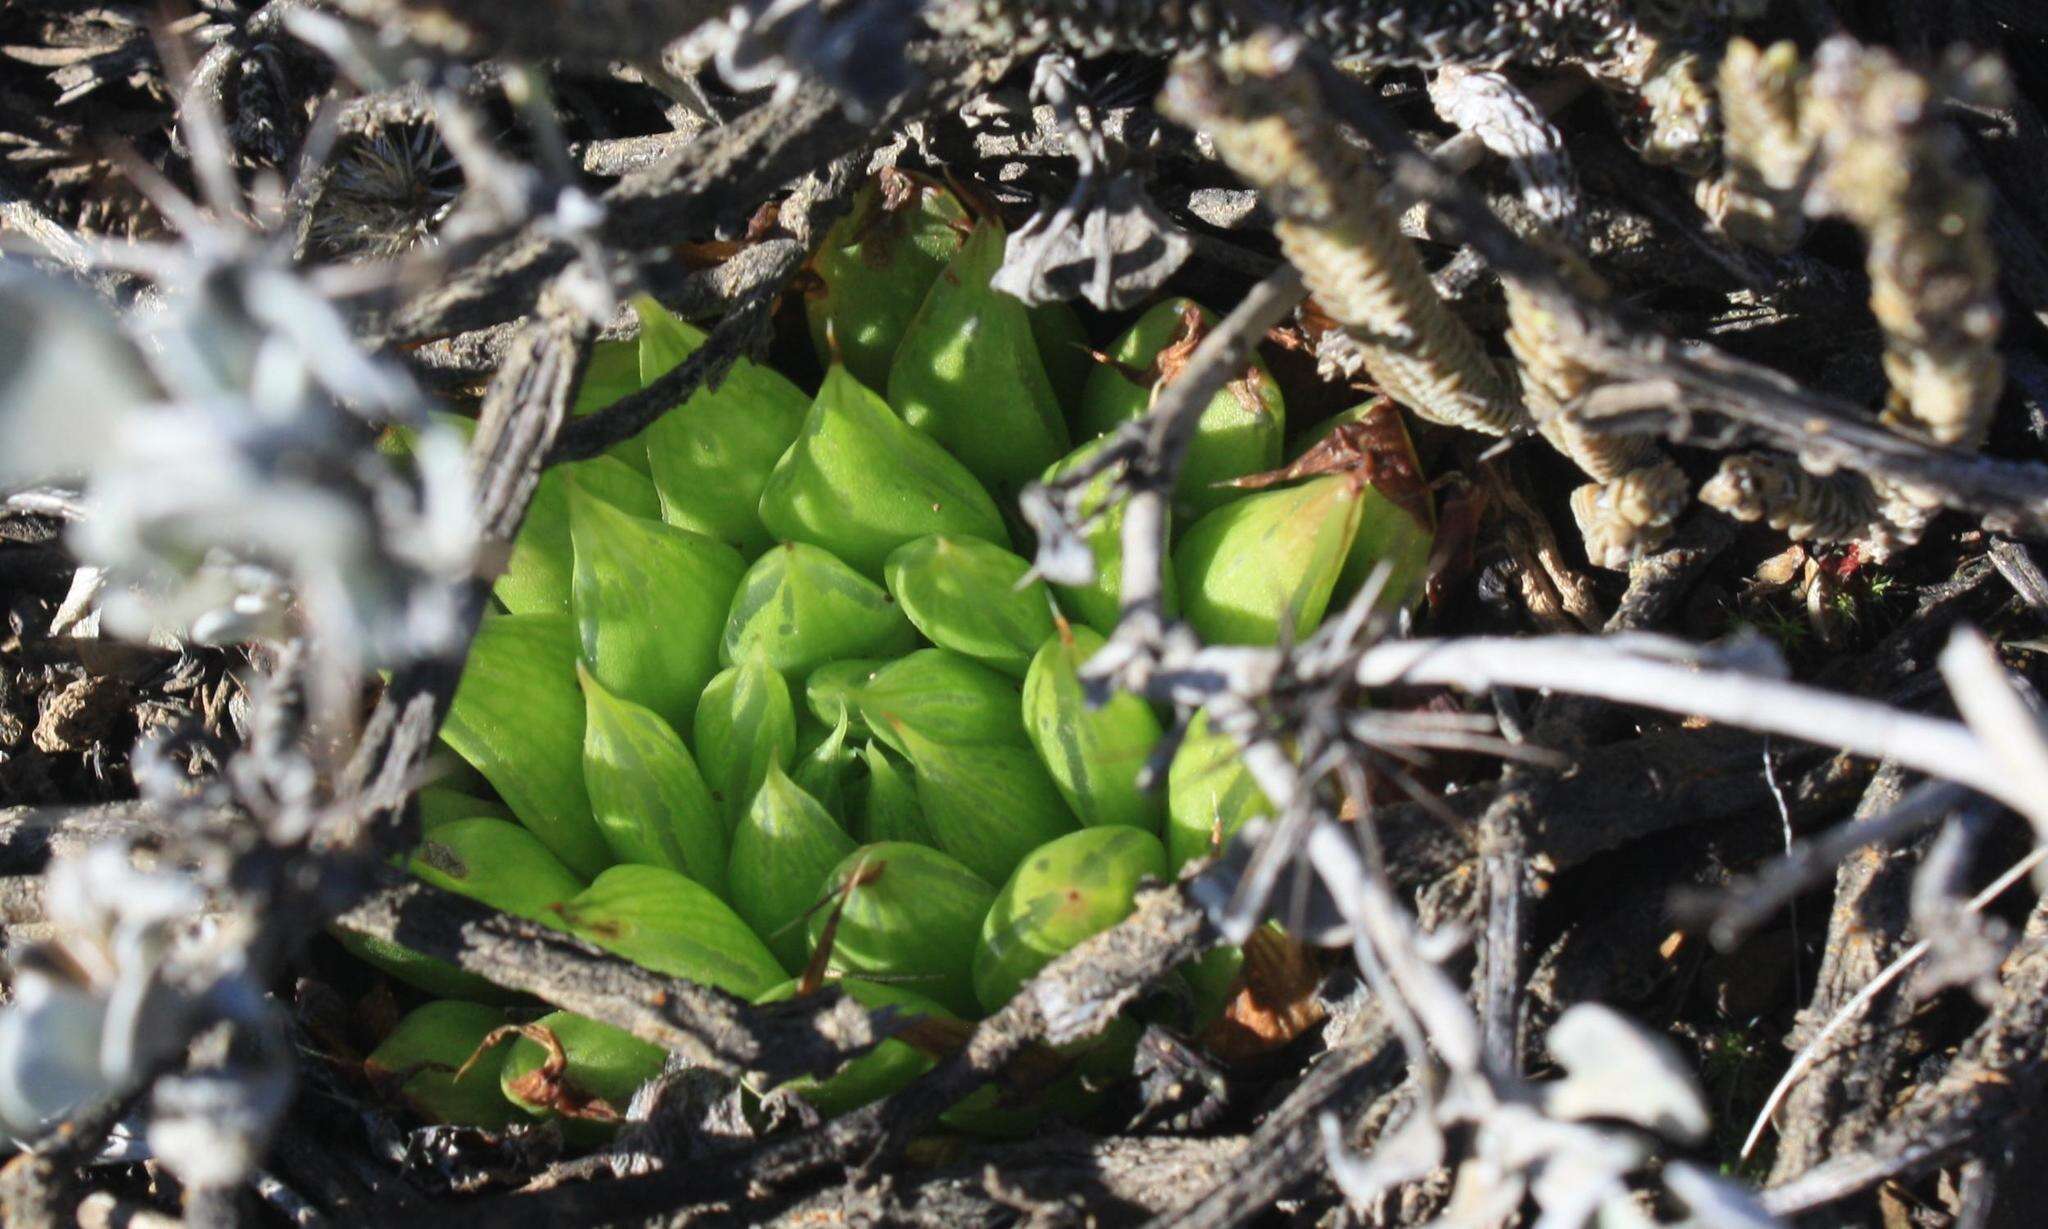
column 546, row 1085
column 1375, row 449
column 1272, row 1002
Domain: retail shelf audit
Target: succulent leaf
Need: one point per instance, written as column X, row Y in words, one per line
column 824, row 771
column 540, row 572
column 1240, row 432
column 612, row 373
column 650, row 605
column 945, row 698
column 969, row 375
column 489, row 860
column 745, row 725
column 971, row 597
column 911, row 917
column 1100, row 602
column 1265, row 566
column 1209, row 793
column 440, row 805
column 649, row 798
column 785, row 847
column 889, row 810
column 884, row 1070
column 833, row 691
column 875, row 267
column 711, row 456
column 1063, row 346
column 425, row 1051
column 799, row 607
column 579, row 1071
column 1067, row 890
column 518, row 717
column 860, row 483
column 988, row 805
column 665, row 921
column 1094, row 754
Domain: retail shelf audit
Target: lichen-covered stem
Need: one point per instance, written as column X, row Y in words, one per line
column 1764, row 148
column 1269, row 125
column 1836, row 507
column 1890, row 164
column 1382, row 32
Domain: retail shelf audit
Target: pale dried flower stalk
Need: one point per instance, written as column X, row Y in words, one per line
column 1809, row 507
column 1271, row 128
column 1862, row 135
column 1893, row 167
column 1764, row 146
column 1636, row 493
column 1379, row 32
column 1677, row 113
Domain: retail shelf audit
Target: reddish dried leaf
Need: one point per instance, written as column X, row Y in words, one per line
column 1273, row 999
column 546, row 1085
column 1375, row 449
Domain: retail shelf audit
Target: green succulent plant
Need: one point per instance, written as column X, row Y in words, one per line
column 775, row 700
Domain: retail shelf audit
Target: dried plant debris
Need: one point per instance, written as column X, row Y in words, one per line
column 388, row 189
column 1857, row 134
column 1268, row 122
column 1462, row 31
column 961, row 611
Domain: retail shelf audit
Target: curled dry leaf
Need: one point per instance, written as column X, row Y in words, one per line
column 547, row 1085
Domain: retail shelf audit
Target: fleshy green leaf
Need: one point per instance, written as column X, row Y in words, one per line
column 889, row 810
column 833, row 691
column 1241, row 429
column 650, row 605
column 859, row 483
column 1267, row 563
column 970, row 597
column 645, row 790
column 490, row 860
column 711, row 455
column 540, row 572
column 989, row 806
column 745, row 725
column 875, row 266
column 1063, row 346
column 429, row 1045
column 1094, row 754
column 518, row 717
column 1100, row 602
column 912, row 917
column 613, row 372
column 799, row 607
column 1067, row 890
column 1209, row 794
column 781, row 854
column 944, row 697
column 602, row 1062
column 969, row 375
column 668, row 922
column 823, row 771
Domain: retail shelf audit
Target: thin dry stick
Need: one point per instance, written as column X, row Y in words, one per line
column 1810, row 1054
column 1660, row 673
column 2001, row 718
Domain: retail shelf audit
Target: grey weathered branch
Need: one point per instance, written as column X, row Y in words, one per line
column 703, row 1025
